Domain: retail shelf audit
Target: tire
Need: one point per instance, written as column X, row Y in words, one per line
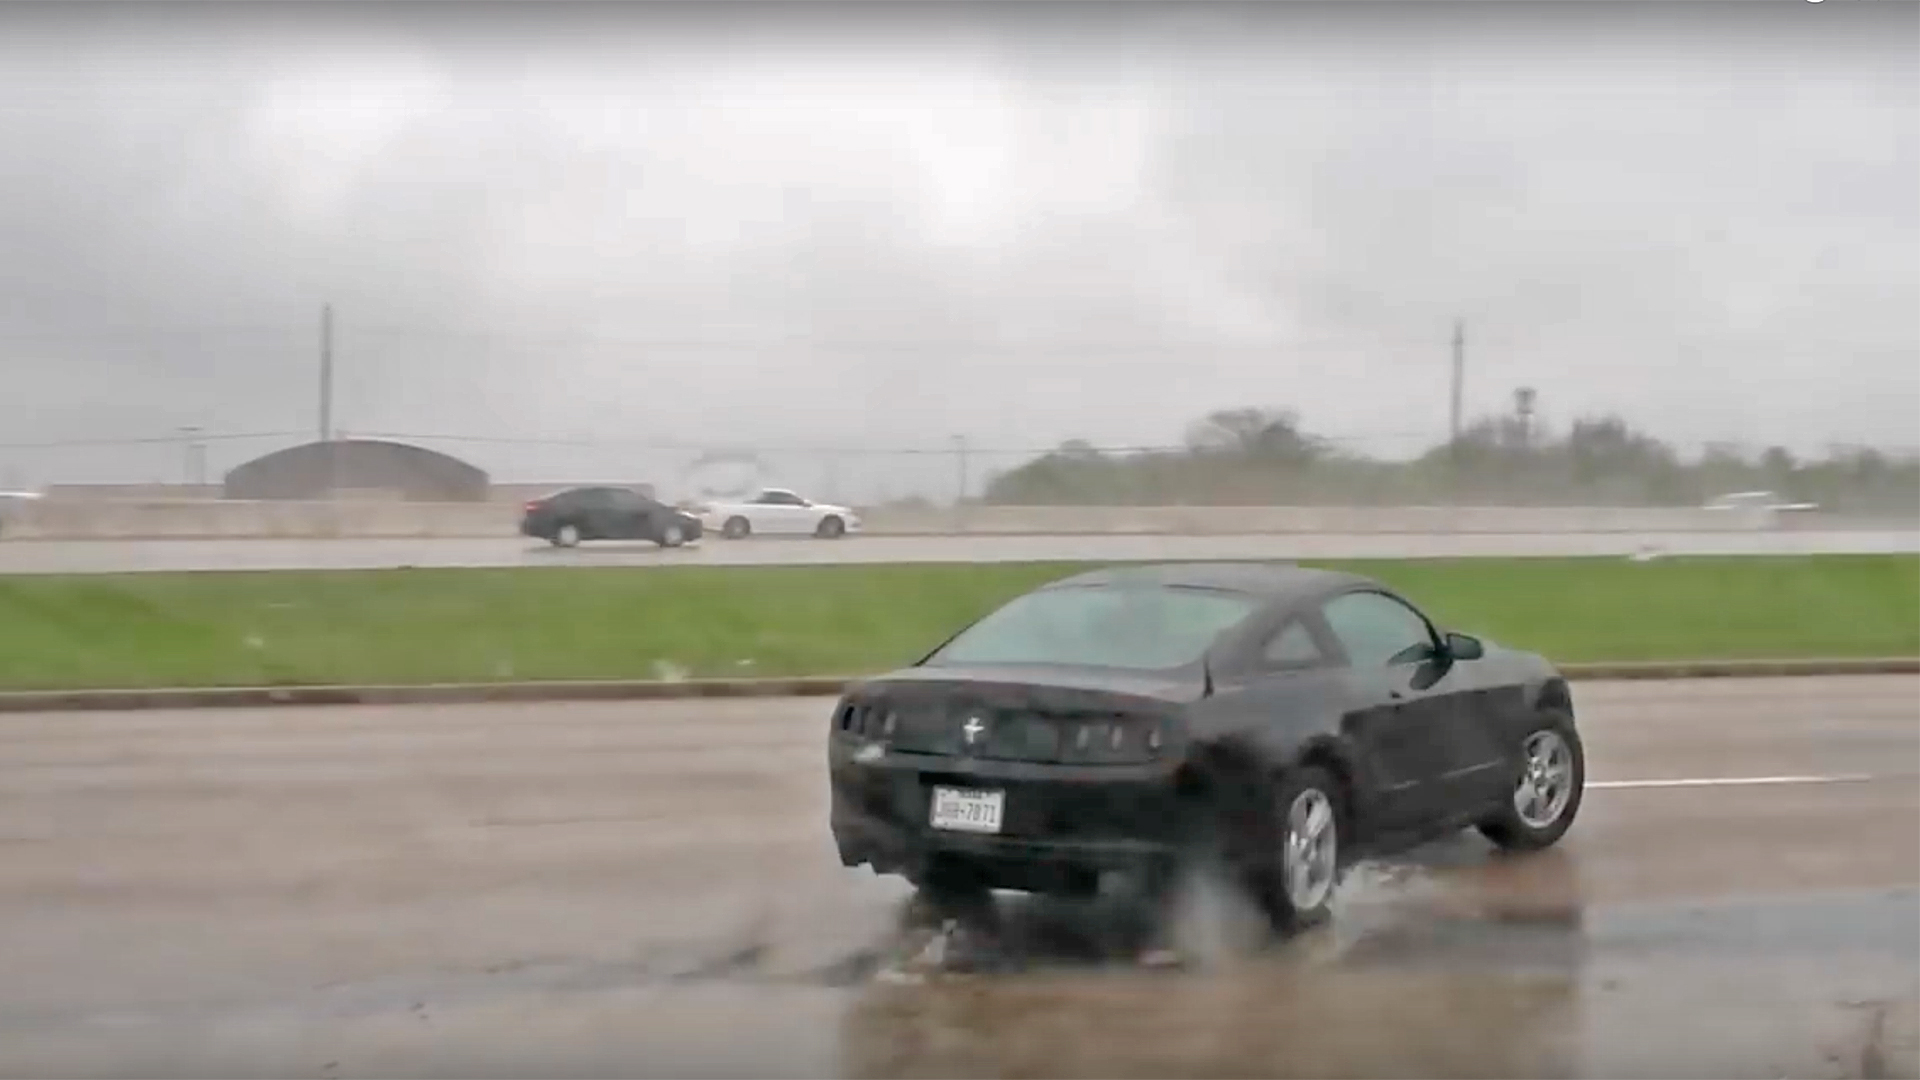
column 1306, row 820
column 567, row 536
column 831, row 528
column 672, row 536
column 1555, row 807
column 736, row 528
column 943, row 892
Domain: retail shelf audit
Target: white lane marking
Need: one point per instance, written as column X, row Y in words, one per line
column 1731, row 781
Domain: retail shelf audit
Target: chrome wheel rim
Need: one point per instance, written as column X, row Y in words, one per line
column 569, row 536
column 673, row 536
column 1546, row 780
column 1310, row 849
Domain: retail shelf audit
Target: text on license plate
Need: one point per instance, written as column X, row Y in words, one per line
column 968, row 809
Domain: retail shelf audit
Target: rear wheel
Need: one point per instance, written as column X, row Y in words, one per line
column 736, row 528
column 1547, row 792
column 945, row 890
column 831, row 528
column 1291, row 863
column 567, row 536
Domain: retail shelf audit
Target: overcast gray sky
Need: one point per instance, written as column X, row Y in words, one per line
column 862, row 225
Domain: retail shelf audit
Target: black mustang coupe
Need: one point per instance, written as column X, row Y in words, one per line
column 1279, row 722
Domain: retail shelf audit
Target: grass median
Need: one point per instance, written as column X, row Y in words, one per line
column 424, row 626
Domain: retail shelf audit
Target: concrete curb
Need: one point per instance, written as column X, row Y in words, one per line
column 815, row 686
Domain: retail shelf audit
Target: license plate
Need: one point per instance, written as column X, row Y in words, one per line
column 968, row 809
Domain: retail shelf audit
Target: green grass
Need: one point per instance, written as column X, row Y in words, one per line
column 414, row 626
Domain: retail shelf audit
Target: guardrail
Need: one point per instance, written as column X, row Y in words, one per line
column 57, row 519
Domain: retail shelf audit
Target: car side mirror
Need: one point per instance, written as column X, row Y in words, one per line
column 1464, row 647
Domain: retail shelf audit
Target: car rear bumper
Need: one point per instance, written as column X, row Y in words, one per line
column 1060, row 823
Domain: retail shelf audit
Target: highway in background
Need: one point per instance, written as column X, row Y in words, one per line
column 650, row 890
column 116, row 556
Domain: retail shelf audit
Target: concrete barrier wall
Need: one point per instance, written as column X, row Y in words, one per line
column 55, row 519
column 1241, row 520
column 159, row 519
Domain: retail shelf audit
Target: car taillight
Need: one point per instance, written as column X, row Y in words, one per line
column 1113, row 739
column 867, row 720
column 531, row 507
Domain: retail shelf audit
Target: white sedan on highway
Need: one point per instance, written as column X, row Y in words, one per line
column 1758, row 509
column 777, row 512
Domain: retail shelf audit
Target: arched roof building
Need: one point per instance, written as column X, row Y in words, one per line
column 316, row 470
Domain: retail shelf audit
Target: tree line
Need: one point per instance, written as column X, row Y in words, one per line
column 1258, row 456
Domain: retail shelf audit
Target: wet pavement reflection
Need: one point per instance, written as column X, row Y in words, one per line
column 1424, row 973
column 495, row 892
column 1461, row 965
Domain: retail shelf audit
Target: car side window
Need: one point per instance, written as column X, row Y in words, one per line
column 1375, row 629
column 619, row 499
column 1293, row 646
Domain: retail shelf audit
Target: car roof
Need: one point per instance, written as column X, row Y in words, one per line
column 1270, row 581
column 588, row 488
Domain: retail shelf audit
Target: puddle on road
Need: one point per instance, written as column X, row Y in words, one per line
column 1498, row 971
column 1428, row 975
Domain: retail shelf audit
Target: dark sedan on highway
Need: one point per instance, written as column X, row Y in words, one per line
column 566, row 518
column 1272, row 722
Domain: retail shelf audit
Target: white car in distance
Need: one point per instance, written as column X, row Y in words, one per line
column 1757, row 509
column 778, row 512
column 13, row 504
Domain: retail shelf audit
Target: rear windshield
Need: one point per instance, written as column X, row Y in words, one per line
column 1148, row 628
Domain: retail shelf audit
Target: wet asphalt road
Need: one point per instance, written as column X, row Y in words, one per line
column 119, row 556
column 649, row 890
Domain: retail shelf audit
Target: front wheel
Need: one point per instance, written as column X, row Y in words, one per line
column 1547, row 792
column 831, row 528
column 672, row 536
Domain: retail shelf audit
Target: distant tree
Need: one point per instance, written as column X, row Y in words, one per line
column 1257, row 434
column 1078, row 450
column 1251, row 456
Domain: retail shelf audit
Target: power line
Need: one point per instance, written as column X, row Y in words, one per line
column 702, row 446
column 882, row 450
column 145, row 440
column 740, row 343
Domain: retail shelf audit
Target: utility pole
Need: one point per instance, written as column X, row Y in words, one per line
column 960, row 486
column 1459, row 374
column 326, row 373
column 830, row 476
column 192, row 471
column 327, row 449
